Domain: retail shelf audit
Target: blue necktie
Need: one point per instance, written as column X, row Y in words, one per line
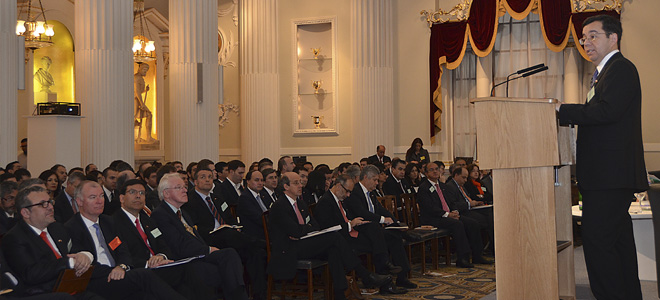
column 594, row 78
column 104, row 245
column 371, row 205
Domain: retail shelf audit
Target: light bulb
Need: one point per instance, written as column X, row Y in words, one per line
column 40, row 27
column 20, row 27
column 137, row 45
column 49, row 30
column 150, row 46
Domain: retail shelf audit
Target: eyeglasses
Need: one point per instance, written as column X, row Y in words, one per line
column 178, row 187
column 133, row 192
column 591, row 36
column 43, row 204
column 345, row 189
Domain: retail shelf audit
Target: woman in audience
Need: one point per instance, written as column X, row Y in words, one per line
column 412, row 175
column 316, row 183
column 474, row 188
column 417, row 154
column 52, row 184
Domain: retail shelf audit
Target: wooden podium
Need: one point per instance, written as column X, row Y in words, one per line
column 520, row 140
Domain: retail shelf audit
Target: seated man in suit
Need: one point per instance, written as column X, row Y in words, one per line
column 209, row 213
column 37, row 248
column 8, row 191
column 65, row 206
column 233, row 186
column 396, row 184
column 379, row 156
column 109, row 186
column 464, row 204
column 251, row 206
column 270, row 184
column 221, row 169
column 285, row 164
column 435, row 209
column 361, row 235
column 185, row 241
column 148, row 249
column 95, row 233
column 289, row 221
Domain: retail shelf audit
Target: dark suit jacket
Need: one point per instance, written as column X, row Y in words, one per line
column 151, row 199
column 30, row 258
column 250, row 213
column 82, row 241
column 229, row 194
column 201, row 215
column 455, row 198
column 610, row 130
column 63, row 209
column 268, row 200
column 430, row 206
column 327, row 213
column 391, row 187
column 110, row 207
column 374, row 159
column 131, row 237
column 181, row 243
column 6, row 223
column 357, row 205
column 283, row 224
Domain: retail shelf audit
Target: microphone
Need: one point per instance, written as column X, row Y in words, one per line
column 530, row 68
column 525, row 73
column 545, row 68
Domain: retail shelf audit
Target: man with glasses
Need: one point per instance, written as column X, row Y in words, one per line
column 185, row 241
column 8, row 191
column 94, row 232
column 610, row 138
column 363, row 236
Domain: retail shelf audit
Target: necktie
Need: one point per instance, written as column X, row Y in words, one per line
column 45, row 238
column 300, row 218
column 185, row 225
column 261, row 204
column 594, row 78
column 143, row 235
column 445, row 207
column 146, row 210
column 214, row 210
column 465, row 196
column 104, row 245
column 353, row 232
column 371, row 205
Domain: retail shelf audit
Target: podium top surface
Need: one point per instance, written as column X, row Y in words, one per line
column 505, row 99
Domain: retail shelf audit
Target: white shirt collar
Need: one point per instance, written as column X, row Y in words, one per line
column 432, row 183
column 202, row 194
column 292, row 201
column 130, row 215
column 107, row 192
column 607, row 57
column 270, row 193
column 88, row 222
column 37, row 230
column 254, row 194
column 174, row 209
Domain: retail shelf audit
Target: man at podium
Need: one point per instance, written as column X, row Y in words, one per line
column 609, row 138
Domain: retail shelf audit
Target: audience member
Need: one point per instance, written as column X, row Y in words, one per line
column 251, row 206
column 12, row 167
column 22, row 174
column 90, row 167
column 95, row 175
column 8, row 218
column 416, row 153
column 22, row 155
column 65, row 206
column 52, row 183
column 379, row 156
column 109, row 186
column 412, row 175
column 285, row 164
column 221, row 169
column 309, row 166
column 270, row 185
column 233, row 186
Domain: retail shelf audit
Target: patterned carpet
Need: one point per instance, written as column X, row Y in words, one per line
column 459, row 283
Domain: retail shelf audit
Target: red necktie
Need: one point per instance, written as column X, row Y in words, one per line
column 353, row 231
column 143, row 235
column 445, row 207
column 45, row 238
column 214, row 210
column 300, row 218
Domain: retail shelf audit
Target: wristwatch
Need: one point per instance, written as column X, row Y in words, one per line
column 124, row 267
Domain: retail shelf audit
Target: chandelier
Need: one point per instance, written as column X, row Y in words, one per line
column 37, row 33
column 144, row 50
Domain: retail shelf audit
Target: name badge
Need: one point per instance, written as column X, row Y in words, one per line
column 307, row 220
column 591, row 94
column 224, row 206
column 115, row 243
column 483, row 189
column 156, row 233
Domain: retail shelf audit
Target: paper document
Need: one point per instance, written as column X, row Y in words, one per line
column 226, row 226
column 480, row 207
column 315, row 233
column 179, row 262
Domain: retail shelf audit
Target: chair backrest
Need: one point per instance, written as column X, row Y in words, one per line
column 407, row 200
column 654, row 199
column 311, row 209
column 264, row 221
column 389, row 202
column 232, row 210
column 413, row 212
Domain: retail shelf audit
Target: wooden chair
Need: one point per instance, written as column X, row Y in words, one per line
column 441, row 233
column 308, row 265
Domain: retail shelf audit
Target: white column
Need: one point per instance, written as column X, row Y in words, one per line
column 8, row 82
column 104, row 79
column 372, row 68
column 193, row 76
column 484, row 75
column 260, row 130
column 571, row 76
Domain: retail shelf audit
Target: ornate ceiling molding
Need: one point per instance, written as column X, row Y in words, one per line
column 596, row 5
column 460, row 12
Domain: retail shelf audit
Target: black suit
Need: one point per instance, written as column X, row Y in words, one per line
column 357, row 205
column 371, row 237
column 391, row 187
column 458, row 202
column 110, row 207
column 182, row 277
column 250, row 212
column 151, row 199
column 466, row 231
column 610, row 138
column 6, row 223
column 223, row 263
column 374, row 159
column 136, row 283
column 251, row 250
column 267, row 198
column 63, row 209
column 229, row 193
column 283, row 224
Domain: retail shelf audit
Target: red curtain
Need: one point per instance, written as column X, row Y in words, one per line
column 448, row 40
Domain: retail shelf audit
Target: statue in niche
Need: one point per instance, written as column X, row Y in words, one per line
column 43, row 76
column 142, row 112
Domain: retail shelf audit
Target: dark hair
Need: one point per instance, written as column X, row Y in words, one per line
column 411, row 150
column 76, row 169
column 267, row 172
column 107, row 170
column 124, row 187
column 380, row 166
column 342, row 167
column 266, row 159
column 248, row 176
column 457, row 171
column 56, row 166
column 364, row 159
column 115, row 163
column 11, row 165
column 610, row 25
column 320, row 166
column 299, row 169
column 199, row 170
column 316, row 182
column 24, row 140
column 190, row 167
column 219, row 166
column 409, row 168
column 283, row 180
column 439, row 164
column 165, row 169
column 22, row 200
column 308, row 163
column 123, row 166
column 205, row 163
column 75, row 176
column 280, row 162
column 22, row 172
column 45, row 175
column 87, row 167
column 93, row 175
column 6, row 176
column 235, row 164
column 264, row 164
column 397, row 162
column 342, row 179
column 148, row 171
column 30, row 182
column 6, row 187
